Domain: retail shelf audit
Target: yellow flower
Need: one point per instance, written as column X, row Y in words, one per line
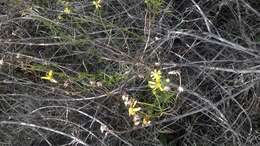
column 97, row 4
column 146, row 121
column 156, row 75
column 67, row 10
column 49, row 77
column 132, row 110
column 156, row 83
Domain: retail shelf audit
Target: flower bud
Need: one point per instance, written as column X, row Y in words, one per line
column 166, row 88
column 137, row 120
column 99, row 84
column 180, row 89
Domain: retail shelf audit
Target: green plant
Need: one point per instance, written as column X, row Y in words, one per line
column 162, row 96
column 153, row 4
column 160, row 89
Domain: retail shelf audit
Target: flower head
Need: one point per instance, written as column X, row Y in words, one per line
column 180, row 89
column 156, row 75
column 97, row 3
column 146, row 121
column 103, row 128
column 49, row 77
column 67, row 10
column 155, row 85
column 132, row 110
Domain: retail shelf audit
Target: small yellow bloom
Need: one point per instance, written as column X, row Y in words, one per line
column 156, row 75
column 146, row 121
column 49, row 77
column 155, row 85
column 97, row 4
column 132, row 109
column 67, row 10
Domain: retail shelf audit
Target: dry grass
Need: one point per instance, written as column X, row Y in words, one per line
column 213, row 44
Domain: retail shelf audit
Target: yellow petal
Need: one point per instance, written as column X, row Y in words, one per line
column 67, row 10
column 156, row 75
column 49, row 77
column 134, row 103
column 132, row 111
column 136, row 109
column 97, row 4
column 146, row 121
column 151, row 84
column 50, row 73
column 45, row 78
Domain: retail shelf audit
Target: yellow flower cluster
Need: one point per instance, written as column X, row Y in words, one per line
column 146, row 120
column 156, row 84
column 67, row 10
column 134, row 111
column 97, row 4
column 49, row 77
